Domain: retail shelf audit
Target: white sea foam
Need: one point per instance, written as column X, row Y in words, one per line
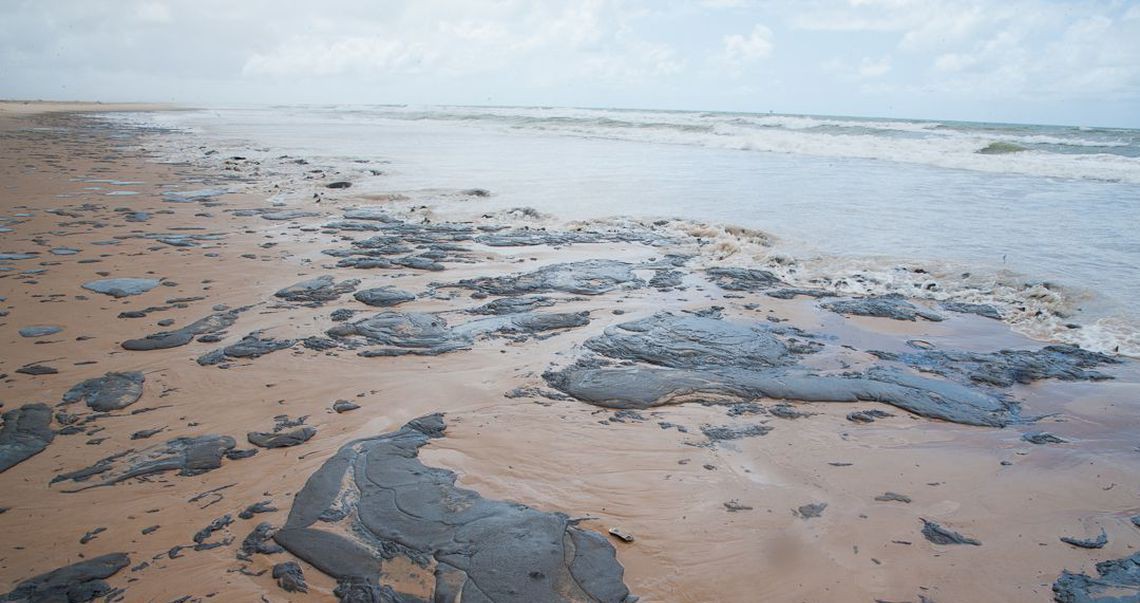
column 1067, row 141
column 1113, row 155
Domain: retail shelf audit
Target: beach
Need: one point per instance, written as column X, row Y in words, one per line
column 294, row 324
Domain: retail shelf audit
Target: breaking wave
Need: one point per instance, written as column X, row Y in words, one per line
column 1110, row 154
column 1000, row 148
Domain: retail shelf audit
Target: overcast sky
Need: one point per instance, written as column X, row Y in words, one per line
column 1040, row 61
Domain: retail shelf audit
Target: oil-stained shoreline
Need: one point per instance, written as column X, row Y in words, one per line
column 807, row 445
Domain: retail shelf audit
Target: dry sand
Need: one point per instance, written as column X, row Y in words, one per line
column 26, row 108
column 665, row 487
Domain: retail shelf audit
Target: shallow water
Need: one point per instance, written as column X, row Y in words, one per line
column 1000, row 218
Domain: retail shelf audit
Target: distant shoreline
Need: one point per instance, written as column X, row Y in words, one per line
column 32, row 107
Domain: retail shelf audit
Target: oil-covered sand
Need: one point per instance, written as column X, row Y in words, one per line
column 211, row 392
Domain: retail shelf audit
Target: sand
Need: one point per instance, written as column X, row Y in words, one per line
column 667, row 488
column 27, row 108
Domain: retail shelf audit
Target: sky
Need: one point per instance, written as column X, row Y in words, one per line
column 1026, row 61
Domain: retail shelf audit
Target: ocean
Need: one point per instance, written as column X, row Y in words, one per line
column 1040, row 221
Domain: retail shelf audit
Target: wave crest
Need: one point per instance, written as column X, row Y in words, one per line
column 1000, row 148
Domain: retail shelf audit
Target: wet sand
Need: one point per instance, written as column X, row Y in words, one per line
column 712, row 520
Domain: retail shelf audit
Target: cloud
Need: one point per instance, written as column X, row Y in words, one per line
column 1045, row 58
column 954, row 61
column 740, row 49
column 867, row 68
column 1075, row 57
column 1027, row 50
column 724, row 3
column 315, row 56
column 870, row 68
column 537, row 42
column 640, row 61
column 919, row 21
column 153, row 12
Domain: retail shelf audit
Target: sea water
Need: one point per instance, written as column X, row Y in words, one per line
column 1051, row 207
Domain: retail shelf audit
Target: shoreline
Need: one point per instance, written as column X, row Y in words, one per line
column 535, row 446
column 37, row 107
column 1047, row 304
